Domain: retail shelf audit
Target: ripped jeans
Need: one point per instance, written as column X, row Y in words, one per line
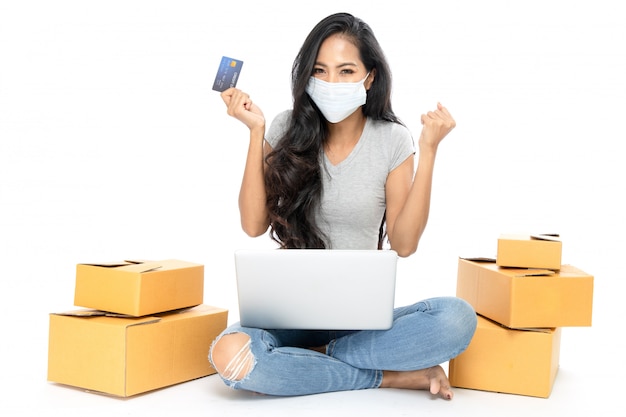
column 423, row 335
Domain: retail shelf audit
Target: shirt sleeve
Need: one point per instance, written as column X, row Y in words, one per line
column 277, row 128
column 403, row 146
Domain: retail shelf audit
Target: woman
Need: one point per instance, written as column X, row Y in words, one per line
column 337, row 172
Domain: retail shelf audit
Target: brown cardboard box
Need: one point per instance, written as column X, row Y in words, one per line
column 125, row 356
column 529, row 251
column 521, row 298
column 498, row 359
column 139, row 288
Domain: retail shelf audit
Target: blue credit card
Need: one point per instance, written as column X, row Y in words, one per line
column 227, row 74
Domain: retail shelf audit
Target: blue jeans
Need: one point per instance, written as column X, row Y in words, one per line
column 423, row 335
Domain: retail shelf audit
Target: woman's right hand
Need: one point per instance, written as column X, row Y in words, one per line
column 252, row 197
column 240, row 106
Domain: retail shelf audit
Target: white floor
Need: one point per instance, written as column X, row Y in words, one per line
column 583, row 386
column 576, row 392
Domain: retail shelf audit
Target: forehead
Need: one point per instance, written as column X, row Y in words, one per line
column 338, row 50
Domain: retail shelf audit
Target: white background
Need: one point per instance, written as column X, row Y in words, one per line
column 113, row 146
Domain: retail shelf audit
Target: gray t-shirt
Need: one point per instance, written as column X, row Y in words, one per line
column 353, row 191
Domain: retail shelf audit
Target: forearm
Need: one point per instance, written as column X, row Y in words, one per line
column 412, row 219
column 252, row 197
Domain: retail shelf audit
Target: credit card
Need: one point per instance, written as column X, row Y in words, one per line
column 227, row 74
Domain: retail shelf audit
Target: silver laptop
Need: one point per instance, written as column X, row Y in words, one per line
column 317, row 289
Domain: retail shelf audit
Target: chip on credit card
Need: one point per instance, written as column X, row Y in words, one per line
column 227, row 74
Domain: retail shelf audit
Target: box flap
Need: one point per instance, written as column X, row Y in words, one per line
column 82, row 313
column 143, row 267
column 553, row 237
column 109, row 264
column 531, row 272
column 478, row 259
column 131, row 266
column 99, row 313
column 521, row 329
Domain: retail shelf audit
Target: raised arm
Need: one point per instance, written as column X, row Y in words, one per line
column 408, row 195
column 252, row 207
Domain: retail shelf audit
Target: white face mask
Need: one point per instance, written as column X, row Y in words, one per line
column 337, row 101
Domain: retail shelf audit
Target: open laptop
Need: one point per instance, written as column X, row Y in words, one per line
column 316, row 289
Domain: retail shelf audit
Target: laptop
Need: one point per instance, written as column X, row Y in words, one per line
column 316, row 289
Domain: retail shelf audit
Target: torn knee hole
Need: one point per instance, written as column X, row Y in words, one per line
column 233, row 357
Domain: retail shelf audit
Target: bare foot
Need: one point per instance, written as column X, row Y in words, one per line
column 433, row 379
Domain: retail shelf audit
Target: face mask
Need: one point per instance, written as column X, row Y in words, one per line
column 337, row 101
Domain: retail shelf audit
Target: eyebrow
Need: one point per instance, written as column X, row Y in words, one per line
column 342, row 65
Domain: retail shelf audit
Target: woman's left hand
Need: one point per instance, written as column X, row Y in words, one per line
column 436, row 125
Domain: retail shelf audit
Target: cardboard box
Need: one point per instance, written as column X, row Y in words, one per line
column 125, row 356
column 139, row 288
column 529, row 251
column 498, row 359
column 521, row 298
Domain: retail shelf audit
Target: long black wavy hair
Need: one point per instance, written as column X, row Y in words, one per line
column 293, row 174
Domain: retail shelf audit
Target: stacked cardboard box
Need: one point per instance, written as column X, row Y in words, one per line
column 142, row 327
column 523, row 298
